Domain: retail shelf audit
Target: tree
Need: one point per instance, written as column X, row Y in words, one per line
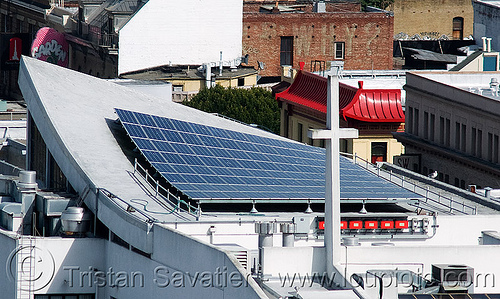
column 251, row 106
column 382, row 4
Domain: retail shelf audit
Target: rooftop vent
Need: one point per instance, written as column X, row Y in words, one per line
column 319, row 7
column 27, row 179
column 454, row 278
column 74, row 220
column 494, row 85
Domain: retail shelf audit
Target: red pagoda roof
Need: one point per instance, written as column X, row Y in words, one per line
column 370, row 105
column 310, row 90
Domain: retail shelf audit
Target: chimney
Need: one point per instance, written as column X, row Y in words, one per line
column 489, row 43
column 319, row 6
column 360, row 84
column 487, row 192
column 484, row 43
column 276, row 8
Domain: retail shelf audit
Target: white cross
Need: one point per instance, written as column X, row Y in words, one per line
column 332, row 136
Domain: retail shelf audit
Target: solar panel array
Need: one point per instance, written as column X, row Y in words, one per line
column 206, row 162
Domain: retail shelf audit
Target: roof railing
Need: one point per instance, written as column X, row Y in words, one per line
column 447, row 203
column 164, row 193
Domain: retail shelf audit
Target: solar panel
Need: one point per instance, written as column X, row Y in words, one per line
column 207, row 162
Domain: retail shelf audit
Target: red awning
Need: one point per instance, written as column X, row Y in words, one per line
column 370, row 105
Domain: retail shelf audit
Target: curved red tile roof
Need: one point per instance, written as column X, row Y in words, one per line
column 370, row 105
column 375, row 105
column 310, row 90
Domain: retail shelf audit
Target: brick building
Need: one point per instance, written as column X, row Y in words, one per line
column 323, row 32
column 430, row 19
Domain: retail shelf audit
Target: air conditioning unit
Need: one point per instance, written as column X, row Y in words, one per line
column 454, row 278
column 240, row 253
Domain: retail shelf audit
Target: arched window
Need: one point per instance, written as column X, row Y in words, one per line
column 458, row 28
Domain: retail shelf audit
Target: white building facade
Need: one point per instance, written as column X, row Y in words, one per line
column 191, row 32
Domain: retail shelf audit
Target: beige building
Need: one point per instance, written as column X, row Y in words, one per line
column 189, row 80
column 452, row 19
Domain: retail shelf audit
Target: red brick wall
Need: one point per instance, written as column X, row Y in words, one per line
column 367, row 36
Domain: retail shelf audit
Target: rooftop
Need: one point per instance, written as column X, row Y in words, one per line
column 187, row 72
column 478, row 83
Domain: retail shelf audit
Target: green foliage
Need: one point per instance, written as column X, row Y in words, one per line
column 251, row 106
column 383, row 4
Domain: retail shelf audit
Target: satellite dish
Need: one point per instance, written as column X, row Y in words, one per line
column 261, row 65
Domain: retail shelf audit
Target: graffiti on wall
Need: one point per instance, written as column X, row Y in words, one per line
column 51, row 46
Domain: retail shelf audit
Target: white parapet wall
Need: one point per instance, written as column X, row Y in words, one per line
column 181, row 32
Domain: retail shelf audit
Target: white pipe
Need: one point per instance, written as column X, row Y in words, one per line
column 220, row 66
column 208, row 79
column 484, row 43
column 489, row 44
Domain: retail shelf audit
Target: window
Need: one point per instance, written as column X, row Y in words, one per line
column 416, row 122
column 441, row 130
column 448, row 132
column 473, row 141
column 57, row 180
column 409, row 121
column 464, row 138
column 339, row 50
column 457, row 135
column 241, row 81
column 37, row 152
column 8, row 24
column 490, row 147
column 458, row 28
column 379, row 152
column 479, row 143
column 300, row 127
column 311, row 141
column 433, row 124
column 426, row 125
column 495, row 149
column 286, row 50
column 343, row 146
